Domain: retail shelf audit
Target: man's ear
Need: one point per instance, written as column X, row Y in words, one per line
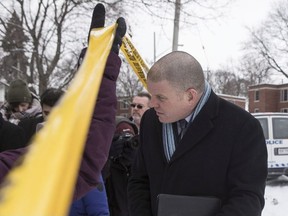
column 191, row 95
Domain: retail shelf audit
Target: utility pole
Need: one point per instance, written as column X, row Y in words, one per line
column 176, row 25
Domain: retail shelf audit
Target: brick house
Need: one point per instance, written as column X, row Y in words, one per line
column 268, row 98
column 123, row 106
column 239, row 101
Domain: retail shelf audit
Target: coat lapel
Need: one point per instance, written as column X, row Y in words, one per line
column 199, row 128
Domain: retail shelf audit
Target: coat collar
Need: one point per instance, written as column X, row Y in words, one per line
column 200, row 127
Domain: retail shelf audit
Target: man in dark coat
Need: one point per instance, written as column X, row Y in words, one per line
column 117, row 169
column 102, row 126
column 11, row 135
column 220, row 153
column 48, row 100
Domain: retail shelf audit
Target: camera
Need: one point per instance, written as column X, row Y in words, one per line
column 129, row 140
column 123, row 147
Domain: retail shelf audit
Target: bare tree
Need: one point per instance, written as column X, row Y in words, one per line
column 189, row 13
column 254, row 69
column 201, row 10
column 57, row 29
column 226, row 81
column 269, row 43
column 53, row 46
column 128, row 84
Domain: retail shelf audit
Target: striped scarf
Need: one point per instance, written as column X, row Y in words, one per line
column 167, row 130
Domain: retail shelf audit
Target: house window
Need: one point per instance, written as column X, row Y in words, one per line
column 284, row 95
column 256, row 110
column 284, row 110
column 124, row 105
column 256, row 95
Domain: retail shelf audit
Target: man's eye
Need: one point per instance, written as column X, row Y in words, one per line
column 160, row 98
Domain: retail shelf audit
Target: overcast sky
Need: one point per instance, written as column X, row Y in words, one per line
column 221, row 40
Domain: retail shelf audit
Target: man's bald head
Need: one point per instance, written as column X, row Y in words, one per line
column 180, row 69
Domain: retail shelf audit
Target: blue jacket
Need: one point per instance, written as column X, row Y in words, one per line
column 94, row 203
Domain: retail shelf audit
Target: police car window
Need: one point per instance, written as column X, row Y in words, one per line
column 264, row 125
column 280, row 128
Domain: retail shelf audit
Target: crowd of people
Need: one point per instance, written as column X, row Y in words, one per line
column 180, row 139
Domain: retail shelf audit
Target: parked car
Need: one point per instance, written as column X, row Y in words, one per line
column 275, row 128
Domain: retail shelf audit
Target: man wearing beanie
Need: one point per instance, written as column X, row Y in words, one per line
column 19, row 92
column 20, row 103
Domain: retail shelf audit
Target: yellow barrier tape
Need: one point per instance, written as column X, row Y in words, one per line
column 43, row 184
column 134, row 59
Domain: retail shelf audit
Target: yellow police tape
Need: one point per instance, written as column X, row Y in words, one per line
column 133, row 57
column 43, row 184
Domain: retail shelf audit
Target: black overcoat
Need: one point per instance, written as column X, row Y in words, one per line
column 222, row 154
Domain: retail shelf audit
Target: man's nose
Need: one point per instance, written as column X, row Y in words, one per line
column 152, row 103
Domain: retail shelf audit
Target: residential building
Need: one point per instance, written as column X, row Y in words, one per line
column 237, row 100
column 268, row 98
column 123, row 106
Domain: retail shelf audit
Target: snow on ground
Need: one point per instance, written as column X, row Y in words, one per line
column 276, row 199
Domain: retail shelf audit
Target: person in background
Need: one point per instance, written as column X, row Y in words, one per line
column 48, row 100
column 20, row 103
column 117, row 169
column 102, row 126
column 122, row 153
column 195, row 143
column 140, row 103
column 11, row 135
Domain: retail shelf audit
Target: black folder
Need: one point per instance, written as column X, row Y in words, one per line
column 180, row 205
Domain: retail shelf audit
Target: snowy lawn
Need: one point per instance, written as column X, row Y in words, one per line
column 276, row 199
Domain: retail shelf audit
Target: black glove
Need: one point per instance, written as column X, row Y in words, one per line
column 120, row 32
column 98, row 21
column 98, row 18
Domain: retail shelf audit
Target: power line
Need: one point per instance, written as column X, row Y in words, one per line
column 203, row 47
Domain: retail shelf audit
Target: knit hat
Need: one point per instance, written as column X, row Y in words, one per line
column 18, row 92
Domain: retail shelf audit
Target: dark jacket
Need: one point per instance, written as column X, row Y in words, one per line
column 222, row 154
column 99, row 137
column 29, row 126
column 122, row 153
column 11, row 136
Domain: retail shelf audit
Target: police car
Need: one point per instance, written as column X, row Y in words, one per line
column 275, row 128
